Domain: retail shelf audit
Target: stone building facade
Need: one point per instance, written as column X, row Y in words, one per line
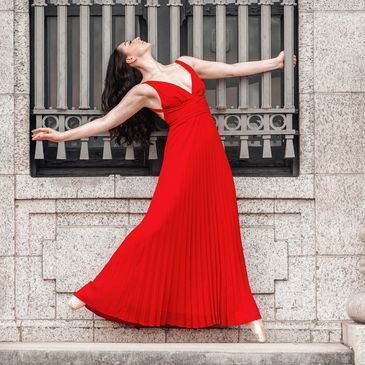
column 300, row 233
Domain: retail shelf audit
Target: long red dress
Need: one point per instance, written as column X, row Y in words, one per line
column 183, row 264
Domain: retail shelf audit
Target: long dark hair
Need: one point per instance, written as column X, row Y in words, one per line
column 119, row 79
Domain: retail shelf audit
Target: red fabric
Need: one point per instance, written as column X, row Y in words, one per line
column 183, row 264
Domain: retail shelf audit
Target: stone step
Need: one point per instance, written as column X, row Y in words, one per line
column 67, row 353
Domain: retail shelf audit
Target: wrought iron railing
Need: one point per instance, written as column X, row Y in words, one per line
column 245, row 126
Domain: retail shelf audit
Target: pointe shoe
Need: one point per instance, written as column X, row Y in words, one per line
column 75, row 303
column 258, row 330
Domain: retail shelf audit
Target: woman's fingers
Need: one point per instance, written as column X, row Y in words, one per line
column 40, row 130
column 49, row 134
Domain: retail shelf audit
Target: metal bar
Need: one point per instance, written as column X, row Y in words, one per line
column 212, row 110
column 220, row 49
column 107, row 14
column 266, row 50
column 174, row 29
column 130, row 19
column 39, row 54
column 62, row 53
column 243, row 42
column 289, row 51
column 84, row 52
column 152, row 6
column 198, row 8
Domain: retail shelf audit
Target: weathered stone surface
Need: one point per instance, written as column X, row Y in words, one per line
column 307, row 136
column 340, row 133
column 35, row 221
column 354, row 337
column 6, row 131
column 305, row 5
column 28, row 187
column 135, row 186
column 7, row 226
column 295, row 297
column 9, row 331
column 7, row 49
column 221, row 335
column 57, row 331
column 339, row 52
column 339, row 5
column 337, row 279
column 21, row 5
column 340, row 213
column 21, row 129
column 78, row 254
column 265, row 258
column 35, row 297
column 106, row 331
column 21, row 52
column 300, row 187
column 92, row 205
column 295, row 223
column 7, row 300
column 305, row 58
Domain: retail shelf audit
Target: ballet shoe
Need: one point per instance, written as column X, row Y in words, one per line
column 75, row 303
column 258, row 330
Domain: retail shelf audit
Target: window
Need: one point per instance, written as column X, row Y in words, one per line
column 256, row 116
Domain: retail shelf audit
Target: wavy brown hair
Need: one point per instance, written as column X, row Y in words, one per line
column 119, row 79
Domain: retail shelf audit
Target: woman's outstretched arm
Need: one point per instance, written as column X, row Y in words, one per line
column 132, row 102
column 219, row 70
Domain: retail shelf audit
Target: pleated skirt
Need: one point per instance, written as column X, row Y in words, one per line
column 183, row 265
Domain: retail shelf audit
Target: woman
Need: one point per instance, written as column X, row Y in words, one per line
column 183, row 264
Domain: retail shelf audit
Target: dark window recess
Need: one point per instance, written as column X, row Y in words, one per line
column 141, row 165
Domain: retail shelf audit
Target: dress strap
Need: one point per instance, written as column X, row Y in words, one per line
column 156, row 110
column 186, row 66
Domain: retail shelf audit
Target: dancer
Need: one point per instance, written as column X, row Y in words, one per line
column 183, row 265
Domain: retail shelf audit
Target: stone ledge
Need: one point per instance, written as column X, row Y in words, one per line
column 176, row 353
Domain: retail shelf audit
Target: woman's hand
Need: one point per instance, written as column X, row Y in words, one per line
column 280, row 59
column 40, row 134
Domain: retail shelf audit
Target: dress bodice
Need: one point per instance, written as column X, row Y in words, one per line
column 178, row 103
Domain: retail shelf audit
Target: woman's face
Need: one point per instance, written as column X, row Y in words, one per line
column 134, row 48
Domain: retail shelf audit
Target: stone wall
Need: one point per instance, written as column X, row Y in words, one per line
column 300, row 234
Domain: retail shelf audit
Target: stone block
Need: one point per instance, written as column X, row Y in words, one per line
column 6, row 130
column 295, row 223
column 340, row 213
column 305, row 58
column 7, row 226
column 7, row 300
column 196, row 335
column 325, row 5
column 35, row 221
column 57, row 331
column 9, row 331
column 306, row 131
column 265, row 258
column 35, row 297
column 339, row 133
column 106, row 331
column 21, row 53
column 7, row 49
column 339, row 51
column 296, row 297
column 28, row 187
column 300, row 187
column 337, row 279
column 78, row 254
column 21, row 128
